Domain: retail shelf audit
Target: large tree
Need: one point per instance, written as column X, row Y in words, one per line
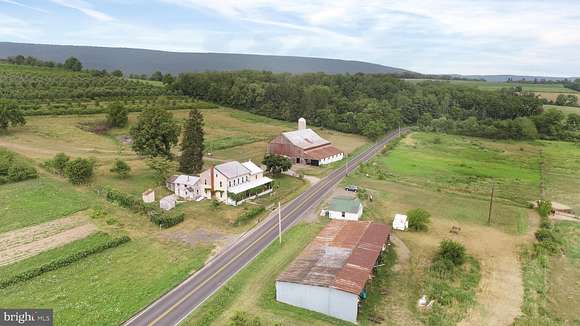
column 73, row 64
column 155, row 133
column 10, row 115
column 191, row 161
column 276, row 164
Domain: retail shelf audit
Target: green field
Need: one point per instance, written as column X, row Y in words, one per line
column 463, row 165
column 109, row 287
column 565, row 109
column 36, row 201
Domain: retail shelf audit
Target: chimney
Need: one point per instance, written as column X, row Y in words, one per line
column 301, row 124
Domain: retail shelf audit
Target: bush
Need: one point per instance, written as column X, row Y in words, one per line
column 121, row 168
column 419, row 219
column 21, row 172
column 442, row 267
column 249, row 215
column 62, row 262
column 79, row 170
column 242, row 318
column 544, row 208
column 167, row 220
column 58, row 163
column 452, row 251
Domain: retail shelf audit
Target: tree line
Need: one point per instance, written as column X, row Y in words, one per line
column 367, row 104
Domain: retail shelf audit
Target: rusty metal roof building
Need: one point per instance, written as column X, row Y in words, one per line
column 341, row 257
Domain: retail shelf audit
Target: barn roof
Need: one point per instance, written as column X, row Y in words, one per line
column 320, row 153
column 305, row 138
column 342, row 256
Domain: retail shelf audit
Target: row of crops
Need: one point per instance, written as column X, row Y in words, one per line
column 38, row 83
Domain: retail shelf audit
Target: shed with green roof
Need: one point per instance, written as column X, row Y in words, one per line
column 345, row 208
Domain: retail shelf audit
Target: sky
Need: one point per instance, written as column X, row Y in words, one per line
column 531, row 37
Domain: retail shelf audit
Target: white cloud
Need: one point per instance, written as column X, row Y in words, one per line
column 85, row 8
column 16, row 29
column 19, row 4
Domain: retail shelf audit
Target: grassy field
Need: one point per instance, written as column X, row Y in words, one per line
column 109, row 287
column 463, row 165
column 565, row 109
column 562, row 172
column 36, row 201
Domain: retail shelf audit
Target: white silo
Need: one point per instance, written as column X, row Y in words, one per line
column 301, row 124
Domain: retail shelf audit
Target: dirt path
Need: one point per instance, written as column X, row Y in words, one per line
column 403, row 254
column 27, row 242
column 500, row 294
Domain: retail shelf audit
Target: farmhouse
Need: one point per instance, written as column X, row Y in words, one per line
column 345, row 208
column 304, row 146
column 234, row 182
column 330, row 275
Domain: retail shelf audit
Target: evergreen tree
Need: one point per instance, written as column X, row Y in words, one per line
column 191, row 161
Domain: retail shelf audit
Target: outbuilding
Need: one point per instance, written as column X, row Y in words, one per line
column 345, row 208
column 331, row 274
column 168, row 202
column 400, row 222
column 149, row 196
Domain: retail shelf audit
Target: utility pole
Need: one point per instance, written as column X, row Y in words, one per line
column 491, row 203
column 279, row 223
column 399, row 128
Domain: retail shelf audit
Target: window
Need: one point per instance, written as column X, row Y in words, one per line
column 343, row 214
column 205, row 182
column 221, row 184
column 229, row 184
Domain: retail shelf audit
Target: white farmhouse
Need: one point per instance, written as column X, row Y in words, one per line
column 234, row 182
column 331, row 274
column 345, row 208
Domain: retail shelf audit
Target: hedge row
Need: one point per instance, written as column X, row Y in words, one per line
column 14, row 169
column 156, row 215
column 62, row 262
column 249, row 214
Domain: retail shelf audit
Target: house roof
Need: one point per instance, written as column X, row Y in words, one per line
column 345, row 204
column 249, row 185
column 254, row 169
column 189, row 180
column 172, row 179
column 305, row 138
column 342, row 256
column 232, row 169
column 323, row 152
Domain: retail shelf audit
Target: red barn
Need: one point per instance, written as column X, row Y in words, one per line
column 304, row 146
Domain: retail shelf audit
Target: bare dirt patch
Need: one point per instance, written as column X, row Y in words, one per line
column 27, row 242
column 203, row 236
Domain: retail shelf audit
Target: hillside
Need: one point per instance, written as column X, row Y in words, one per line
column 140, row 61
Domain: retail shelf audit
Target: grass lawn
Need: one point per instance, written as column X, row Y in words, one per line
column 462, row 164
column 110, row 286
column 252, row 290
column 36, row 201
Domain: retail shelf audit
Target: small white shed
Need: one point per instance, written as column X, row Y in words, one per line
column 401, row 222
column 168, row 202
column 149, row 196
column 345, row 208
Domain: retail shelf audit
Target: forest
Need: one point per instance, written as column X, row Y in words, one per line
column 371, row 104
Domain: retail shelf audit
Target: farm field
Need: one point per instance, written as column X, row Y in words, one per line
column 492, row 86
column 565, row 109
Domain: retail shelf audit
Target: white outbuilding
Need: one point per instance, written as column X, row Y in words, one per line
column 168, row 202
column 330, row 276
column 401, row 222
column 345, row 208
column 149, row 196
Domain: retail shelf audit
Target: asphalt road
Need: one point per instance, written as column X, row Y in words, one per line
column 176, row 305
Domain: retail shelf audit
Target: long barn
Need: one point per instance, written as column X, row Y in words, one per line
column 330, row 275
column 305, row 146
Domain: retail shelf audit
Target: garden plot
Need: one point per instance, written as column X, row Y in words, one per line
column 24, row 243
